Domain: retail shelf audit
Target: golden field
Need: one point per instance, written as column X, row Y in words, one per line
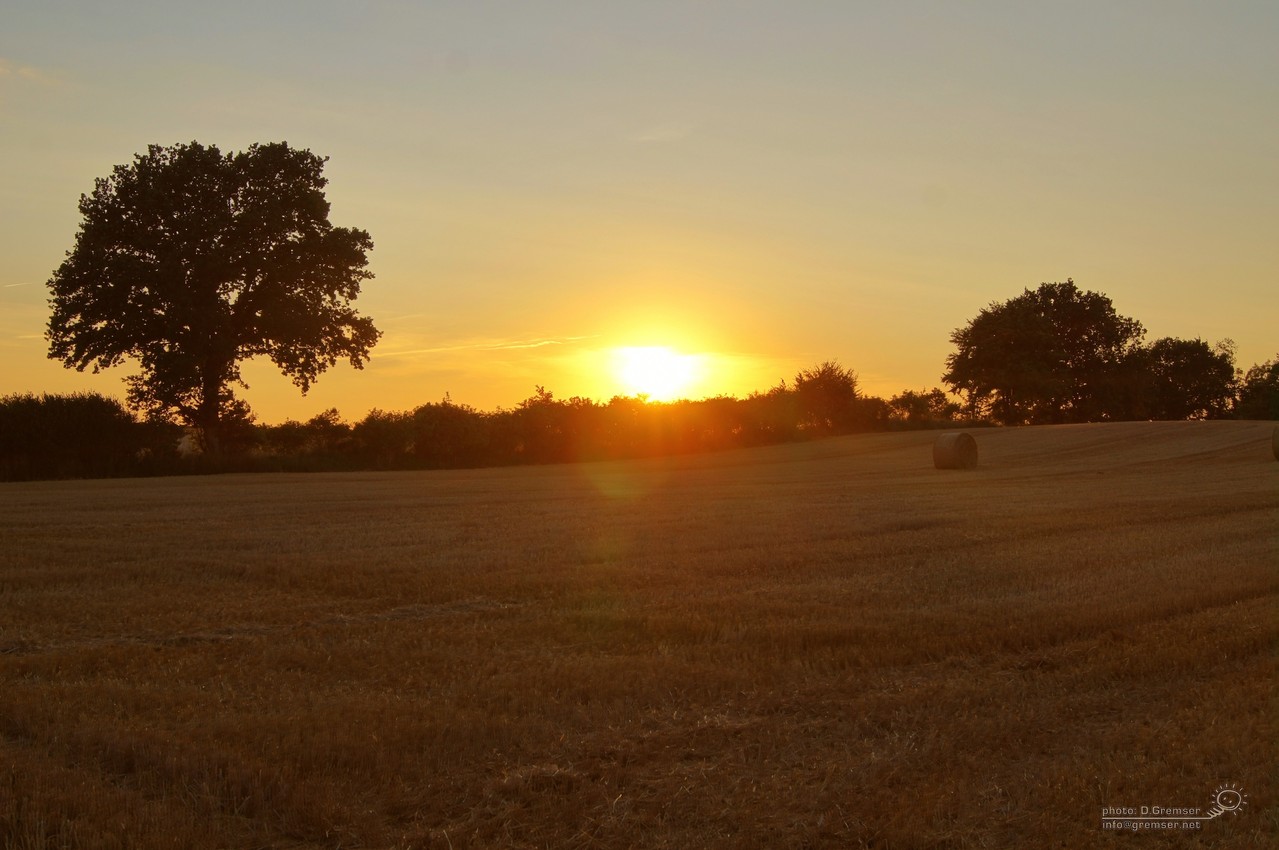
column 829, row 644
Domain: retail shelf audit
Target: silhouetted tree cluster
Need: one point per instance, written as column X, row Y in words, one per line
column 924, row 409
column 1060, row 354
column 1182, row 379
column 1259, row 391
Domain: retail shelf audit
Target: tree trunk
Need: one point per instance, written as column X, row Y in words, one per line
column 210, row 413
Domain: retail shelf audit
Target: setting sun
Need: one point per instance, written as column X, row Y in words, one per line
column 657, row 372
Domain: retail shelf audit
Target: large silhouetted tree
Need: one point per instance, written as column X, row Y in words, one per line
column 1055, row 354
column 191, row 261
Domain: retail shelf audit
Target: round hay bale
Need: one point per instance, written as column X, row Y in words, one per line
column 955, row 450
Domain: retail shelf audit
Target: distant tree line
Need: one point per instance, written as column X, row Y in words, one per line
column 80, row 435
column 90, row 435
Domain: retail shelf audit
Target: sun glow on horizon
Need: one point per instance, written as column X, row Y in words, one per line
column 656, row 372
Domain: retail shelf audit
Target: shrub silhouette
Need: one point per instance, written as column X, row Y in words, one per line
column 68, row 436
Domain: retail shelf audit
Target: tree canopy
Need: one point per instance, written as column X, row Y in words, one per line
column 191, row 261
column 1259, row 391
column 827, row 396
column 1185, row 379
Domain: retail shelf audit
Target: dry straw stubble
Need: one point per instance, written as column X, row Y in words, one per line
column 816, row 645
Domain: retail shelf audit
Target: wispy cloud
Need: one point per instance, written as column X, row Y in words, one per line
column 26, row 73
column 14, row 285
column 486, row 345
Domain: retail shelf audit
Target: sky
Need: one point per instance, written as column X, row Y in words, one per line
column 756, row 186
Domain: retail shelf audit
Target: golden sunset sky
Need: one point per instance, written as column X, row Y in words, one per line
column 762, row 185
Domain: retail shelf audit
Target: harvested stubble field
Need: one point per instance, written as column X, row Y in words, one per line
column 830, row 644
